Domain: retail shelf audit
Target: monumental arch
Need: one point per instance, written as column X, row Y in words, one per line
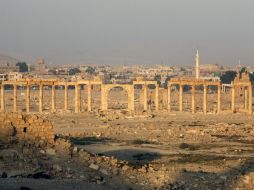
column 105, row 95
column 242, row 83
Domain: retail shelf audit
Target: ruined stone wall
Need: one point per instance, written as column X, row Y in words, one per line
column 22, row 127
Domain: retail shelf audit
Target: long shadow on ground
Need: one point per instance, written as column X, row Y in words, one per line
column 134, row 157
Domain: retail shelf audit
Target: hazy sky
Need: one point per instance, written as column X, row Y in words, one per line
column 128, row 31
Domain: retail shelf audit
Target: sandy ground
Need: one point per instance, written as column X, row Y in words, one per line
column 200, row 151
column 169, row 150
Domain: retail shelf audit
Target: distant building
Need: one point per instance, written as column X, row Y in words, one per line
column 209, row 68
column 14, row 76
column 3, row 77
column 205, row 71
column 212, row 78
column 8, row 68
column 40, row 66
column 62, row 71
column 11, row 76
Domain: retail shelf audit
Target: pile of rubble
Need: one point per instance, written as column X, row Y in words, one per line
column 30, row 128
column 29, row 149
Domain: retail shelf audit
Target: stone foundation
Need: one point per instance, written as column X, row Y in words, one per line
column 22, row 127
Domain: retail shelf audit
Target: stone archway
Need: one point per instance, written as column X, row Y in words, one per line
column 117, row 98
column 105, row 89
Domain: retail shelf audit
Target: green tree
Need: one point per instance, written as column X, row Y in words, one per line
column 158, row 79
column 251, row 77
column 166, row 81
column 51, row 71
column 217, row 74
column 243, row 69
column 74, row 71
column 228, row 77
column 90, row 70
column 22, row 67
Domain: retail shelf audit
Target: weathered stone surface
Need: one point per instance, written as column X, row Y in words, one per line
column 51, row 151
column 29, row 128
column 94, row 166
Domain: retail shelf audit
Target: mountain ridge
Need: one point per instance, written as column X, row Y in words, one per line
column 5, row 59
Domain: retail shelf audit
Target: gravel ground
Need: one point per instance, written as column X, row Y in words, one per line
column 33, row 184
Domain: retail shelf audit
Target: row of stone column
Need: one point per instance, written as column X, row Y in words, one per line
column 193, row 107
column 53, row 98
column 104, row 98
column 78, row 98
column 247, row 98
column 156, row 99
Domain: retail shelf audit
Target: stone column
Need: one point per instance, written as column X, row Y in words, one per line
column 65, row 97
column 169, row 97
column 27, row 98
column 2, row 98
column 89, row 97
column 14, row 98
column 53, row 98
column 250, row 99
column 157, row 97
column 131, row 98
column 104, row 98
column 245, row 98
column 77, row 98
column 219, row 99
column 180, row 98
column 193, row 99
column 41, row 98
column 145, row 96
column 233, row 99
column 205, row 99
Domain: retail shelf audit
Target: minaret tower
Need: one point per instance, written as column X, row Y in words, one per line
column 197, row 67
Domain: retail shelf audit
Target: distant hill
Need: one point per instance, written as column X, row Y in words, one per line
column 7, row 60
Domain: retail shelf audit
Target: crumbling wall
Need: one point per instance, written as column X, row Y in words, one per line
column 22, row 127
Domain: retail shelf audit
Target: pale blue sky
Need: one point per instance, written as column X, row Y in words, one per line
column 129, row 31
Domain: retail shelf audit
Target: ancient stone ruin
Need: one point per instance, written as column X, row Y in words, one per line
column 29, row 128
column 242, row 82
